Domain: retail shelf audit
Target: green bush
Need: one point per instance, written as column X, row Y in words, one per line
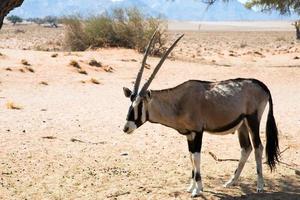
column 127, row 28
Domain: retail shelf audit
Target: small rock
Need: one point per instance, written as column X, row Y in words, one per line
column 124, row 154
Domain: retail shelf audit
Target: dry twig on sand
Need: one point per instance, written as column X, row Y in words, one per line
column 220, row 159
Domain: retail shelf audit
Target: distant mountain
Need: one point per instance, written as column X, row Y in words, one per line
column 175, row 10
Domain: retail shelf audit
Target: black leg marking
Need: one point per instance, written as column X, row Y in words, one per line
column 196, row 144
column 193, row 174
column 253, row 124
column 198, row 177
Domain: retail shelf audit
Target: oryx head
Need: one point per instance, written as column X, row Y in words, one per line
column 137, row 113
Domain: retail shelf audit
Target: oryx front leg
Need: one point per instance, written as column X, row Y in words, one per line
column 195, row 143
column 245, row 152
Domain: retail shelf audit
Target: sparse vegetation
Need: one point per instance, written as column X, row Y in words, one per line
column 123, row 28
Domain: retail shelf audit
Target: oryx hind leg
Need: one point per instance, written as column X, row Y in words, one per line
column 194, row 144
column 245, row 152
column 253, row 122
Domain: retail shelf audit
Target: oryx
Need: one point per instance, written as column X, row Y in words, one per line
column 216, row 107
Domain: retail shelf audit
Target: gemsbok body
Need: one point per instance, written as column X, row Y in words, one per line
column 195, row 106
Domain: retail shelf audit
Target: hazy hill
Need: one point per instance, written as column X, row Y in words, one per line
column 176, row 10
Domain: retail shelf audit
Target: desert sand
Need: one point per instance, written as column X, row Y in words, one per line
column 61, row 134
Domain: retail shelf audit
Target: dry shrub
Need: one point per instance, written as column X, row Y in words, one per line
column 13, row 106
column 25, row 62
column 43, row 83
column 127, row 28
column 30, row 69
column 76, row 38
column 108, row 69
column 75, row 64
column 95, row 63
column 95, row 81
column 82, row 71
column 54, row 55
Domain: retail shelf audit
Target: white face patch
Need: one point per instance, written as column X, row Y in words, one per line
column 135, row 107
column 129, row 127
column 143, row 113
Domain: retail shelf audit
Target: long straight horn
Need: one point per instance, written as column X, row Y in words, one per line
column 146, row 85
column 139, row 75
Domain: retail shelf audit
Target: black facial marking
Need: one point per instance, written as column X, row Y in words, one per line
column 130, row 115
column 198, row 177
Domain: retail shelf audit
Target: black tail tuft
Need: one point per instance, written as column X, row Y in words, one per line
column 272, row 146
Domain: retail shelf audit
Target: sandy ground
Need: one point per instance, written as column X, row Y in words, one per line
column 66, row 141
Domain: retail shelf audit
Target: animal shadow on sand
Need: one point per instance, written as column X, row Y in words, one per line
column 288, row 187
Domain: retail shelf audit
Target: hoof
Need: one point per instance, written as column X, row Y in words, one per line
column 191, row 188
column 230, row 183
column 196, row 192
column 260, row 190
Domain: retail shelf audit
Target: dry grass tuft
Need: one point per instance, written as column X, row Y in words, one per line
column 95, row 81
column 108, row 69
column 30, row 69
column 147, row 66
column 74, row 63
column 13, row 106
column 43, row 83
column 25, row 62
column 8, row 69
column 82, row 71
column 54, row 55
column 22, row 70
column 95, row 63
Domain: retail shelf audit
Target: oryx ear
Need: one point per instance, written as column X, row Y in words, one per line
column 127, row 92
column 148, row 95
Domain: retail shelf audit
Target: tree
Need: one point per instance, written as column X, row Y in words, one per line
column 6, row 6
column 14, row 19
column 51, row 20
column 284, row 7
